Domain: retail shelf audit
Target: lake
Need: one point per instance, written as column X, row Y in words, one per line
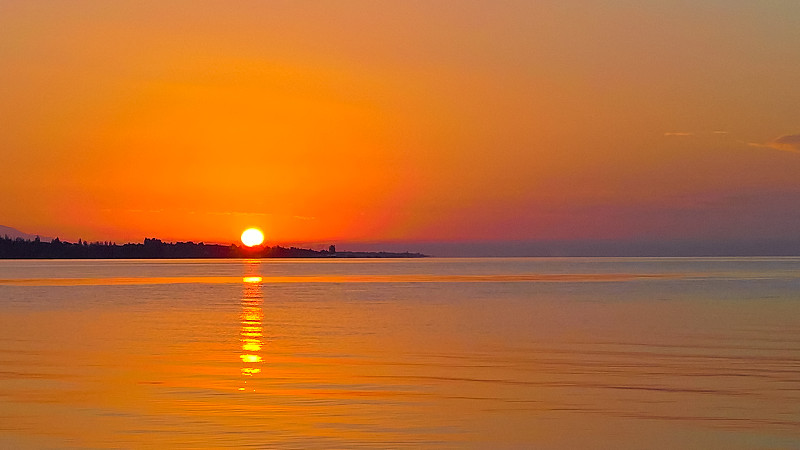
column 436, row 352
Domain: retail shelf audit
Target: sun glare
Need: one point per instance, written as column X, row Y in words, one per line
column 252, row 236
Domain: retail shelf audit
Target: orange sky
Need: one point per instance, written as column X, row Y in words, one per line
column 344, row 121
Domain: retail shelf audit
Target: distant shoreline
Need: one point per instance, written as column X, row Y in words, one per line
column 156, row 249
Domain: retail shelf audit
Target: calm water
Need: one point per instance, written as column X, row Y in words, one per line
column 541, row 353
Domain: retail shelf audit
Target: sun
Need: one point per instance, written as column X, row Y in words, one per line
column 252, row 236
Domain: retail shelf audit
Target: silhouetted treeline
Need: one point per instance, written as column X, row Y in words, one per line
column 156, row 249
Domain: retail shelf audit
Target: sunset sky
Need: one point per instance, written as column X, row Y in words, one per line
column 401, row 121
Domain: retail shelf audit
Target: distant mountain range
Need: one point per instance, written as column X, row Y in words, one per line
column 14, row 233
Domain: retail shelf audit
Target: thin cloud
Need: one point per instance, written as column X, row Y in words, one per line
column 231, row 213
column 786, row 143
column 692, row 133
column 136, row 211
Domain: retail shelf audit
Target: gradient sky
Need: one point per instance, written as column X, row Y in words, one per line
column 348, row 121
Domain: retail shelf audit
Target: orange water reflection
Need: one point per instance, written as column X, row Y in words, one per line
column 251, row 332
column 394, row 278
column 654, row 362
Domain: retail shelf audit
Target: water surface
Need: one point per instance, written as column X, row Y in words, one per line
column 545, row 353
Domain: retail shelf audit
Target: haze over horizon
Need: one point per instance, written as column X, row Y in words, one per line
column 500, row 248
column 666, row 125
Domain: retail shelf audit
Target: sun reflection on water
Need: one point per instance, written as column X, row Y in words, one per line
column 251, row 332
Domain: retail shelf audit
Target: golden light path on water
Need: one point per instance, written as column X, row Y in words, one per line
column 251, row 333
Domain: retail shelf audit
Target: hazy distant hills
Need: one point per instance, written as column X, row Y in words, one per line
column 157, row 249
column 14, row 233
column 576, row 248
